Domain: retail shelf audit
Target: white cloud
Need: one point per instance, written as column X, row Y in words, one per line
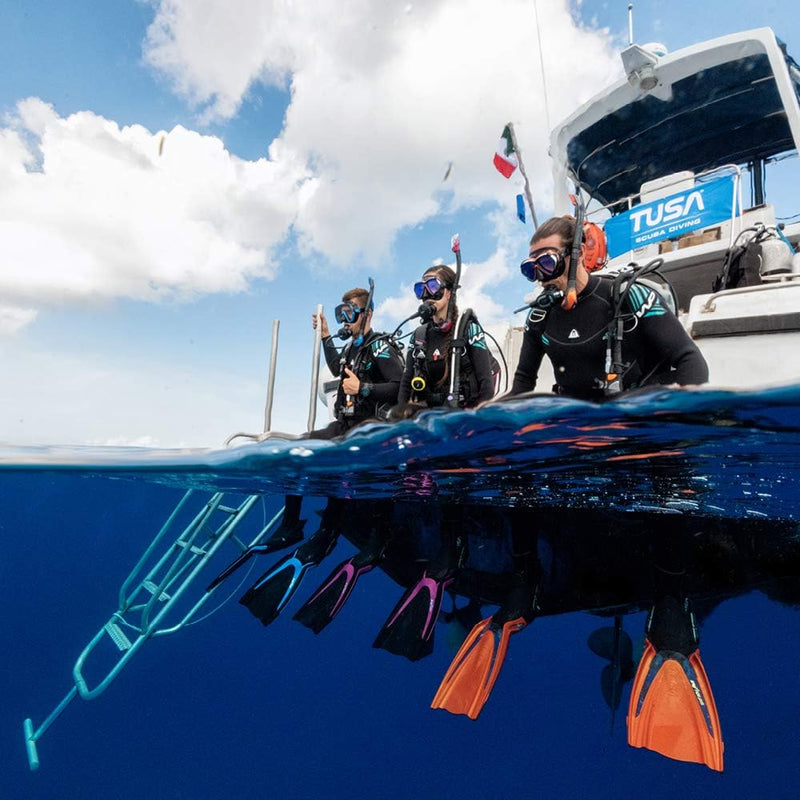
column 92, row 211
column 13, row 320
column 384, row 94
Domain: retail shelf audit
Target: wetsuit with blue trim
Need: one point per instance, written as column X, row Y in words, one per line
column 379, row 368
column 655, row 346
column 477, row 382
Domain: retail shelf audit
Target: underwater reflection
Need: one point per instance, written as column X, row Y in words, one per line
column 527, row 564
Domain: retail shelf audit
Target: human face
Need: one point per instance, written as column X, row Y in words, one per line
column 552, row 244
column 347, row 313
column 353, row 317
column 439, row 304
column 544, row 265
column 360, row 325
column 429, row 287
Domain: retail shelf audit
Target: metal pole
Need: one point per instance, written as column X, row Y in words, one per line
column 528, row 193
column 273, row 360
column 312, row 402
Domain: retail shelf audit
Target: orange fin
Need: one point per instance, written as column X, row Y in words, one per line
column 471, row 676
column 672, row 709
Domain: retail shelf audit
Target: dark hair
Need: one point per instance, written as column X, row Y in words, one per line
column 563, row 227
column 358, row 294
column 448, row 277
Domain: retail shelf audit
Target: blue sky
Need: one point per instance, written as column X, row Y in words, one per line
column 174, row 176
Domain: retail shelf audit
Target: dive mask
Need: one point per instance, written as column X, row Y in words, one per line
column 433, row 287
column 347, row 313
column 544, row 265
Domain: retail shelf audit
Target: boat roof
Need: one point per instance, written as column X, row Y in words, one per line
column 726, row 101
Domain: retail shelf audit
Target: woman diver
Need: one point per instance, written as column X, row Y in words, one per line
column 428, row 376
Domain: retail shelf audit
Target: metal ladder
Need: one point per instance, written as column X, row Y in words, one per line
column 158, row 582
column 150, row 593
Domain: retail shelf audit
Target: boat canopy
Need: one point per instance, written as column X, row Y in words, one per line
column 733, row 100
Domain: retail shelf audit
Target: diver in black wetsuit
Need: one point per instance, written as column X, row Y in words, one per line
column 426, row 379
column 655, row 347
column 369, row 366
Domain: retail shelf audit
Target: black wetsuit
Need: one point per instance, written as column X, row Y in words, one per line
column 378, row 366
column 477, row 382
column 655, row 345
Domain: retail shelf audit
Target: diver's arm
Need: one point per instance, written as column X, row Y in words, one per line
column 332, row 356
column 680, row 360
column 530, row 359
column 387, row 373
column 404, row 393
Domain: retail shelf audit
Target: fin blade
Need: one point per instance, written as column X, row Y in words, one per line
column 268, row 596
column 323, row 606
column 473, row 673
column 410, row 627
column 672, row 710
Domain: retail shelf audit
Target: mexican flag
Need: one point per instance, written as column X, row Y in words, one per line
column 505, row 159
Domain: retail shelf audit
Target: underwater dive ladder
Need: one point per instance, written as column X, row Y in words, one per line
column 170, row 566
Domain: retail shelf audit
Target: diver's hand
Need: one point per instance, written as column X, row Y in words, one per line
column 350, row 383
column 325, row 330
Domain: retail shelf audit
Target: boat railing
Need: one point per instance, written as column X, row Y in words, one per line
column 774, row 282
column 268, row 433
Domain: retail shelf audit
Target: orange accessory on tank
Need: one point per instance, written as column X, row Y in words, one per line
column 595, row 252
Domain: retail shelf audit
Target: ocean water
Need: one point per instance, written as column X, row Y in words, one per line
column 229, row 708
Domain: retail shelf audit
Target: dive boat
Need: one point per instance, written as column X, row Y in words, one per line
column 663, row 159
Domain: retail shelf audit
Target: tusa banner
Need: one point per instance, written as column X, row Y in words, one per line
column 670, row 217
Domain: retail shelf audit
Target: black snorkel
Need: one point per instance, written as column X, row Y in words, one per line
column 367, row 309
column 577, row 240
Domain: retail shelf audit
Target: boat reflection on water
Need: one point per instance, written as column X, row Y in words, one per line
column 503, row 567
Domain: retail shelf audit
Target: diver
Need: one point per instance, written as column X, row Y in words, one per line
column 427, row 377
column 369, row 367
column 652, row 346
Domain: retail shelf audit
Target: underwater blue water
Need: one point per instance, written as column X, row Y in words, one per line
column 230, row 709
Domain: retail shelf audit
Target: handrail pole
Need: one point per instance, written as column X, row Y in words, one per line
column 273, row 361
column 312, row 402
column 123, row 591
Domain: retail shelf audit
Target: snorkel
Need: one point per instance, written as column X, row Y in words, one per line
column 367, row 308
column 577, row 239
column 455, row 246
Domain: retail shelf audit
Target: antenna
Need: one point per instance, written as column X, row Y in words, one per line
column 630, row 23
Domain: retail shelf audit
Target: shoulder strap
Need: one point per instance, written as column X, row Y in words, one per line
column 420, row 337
